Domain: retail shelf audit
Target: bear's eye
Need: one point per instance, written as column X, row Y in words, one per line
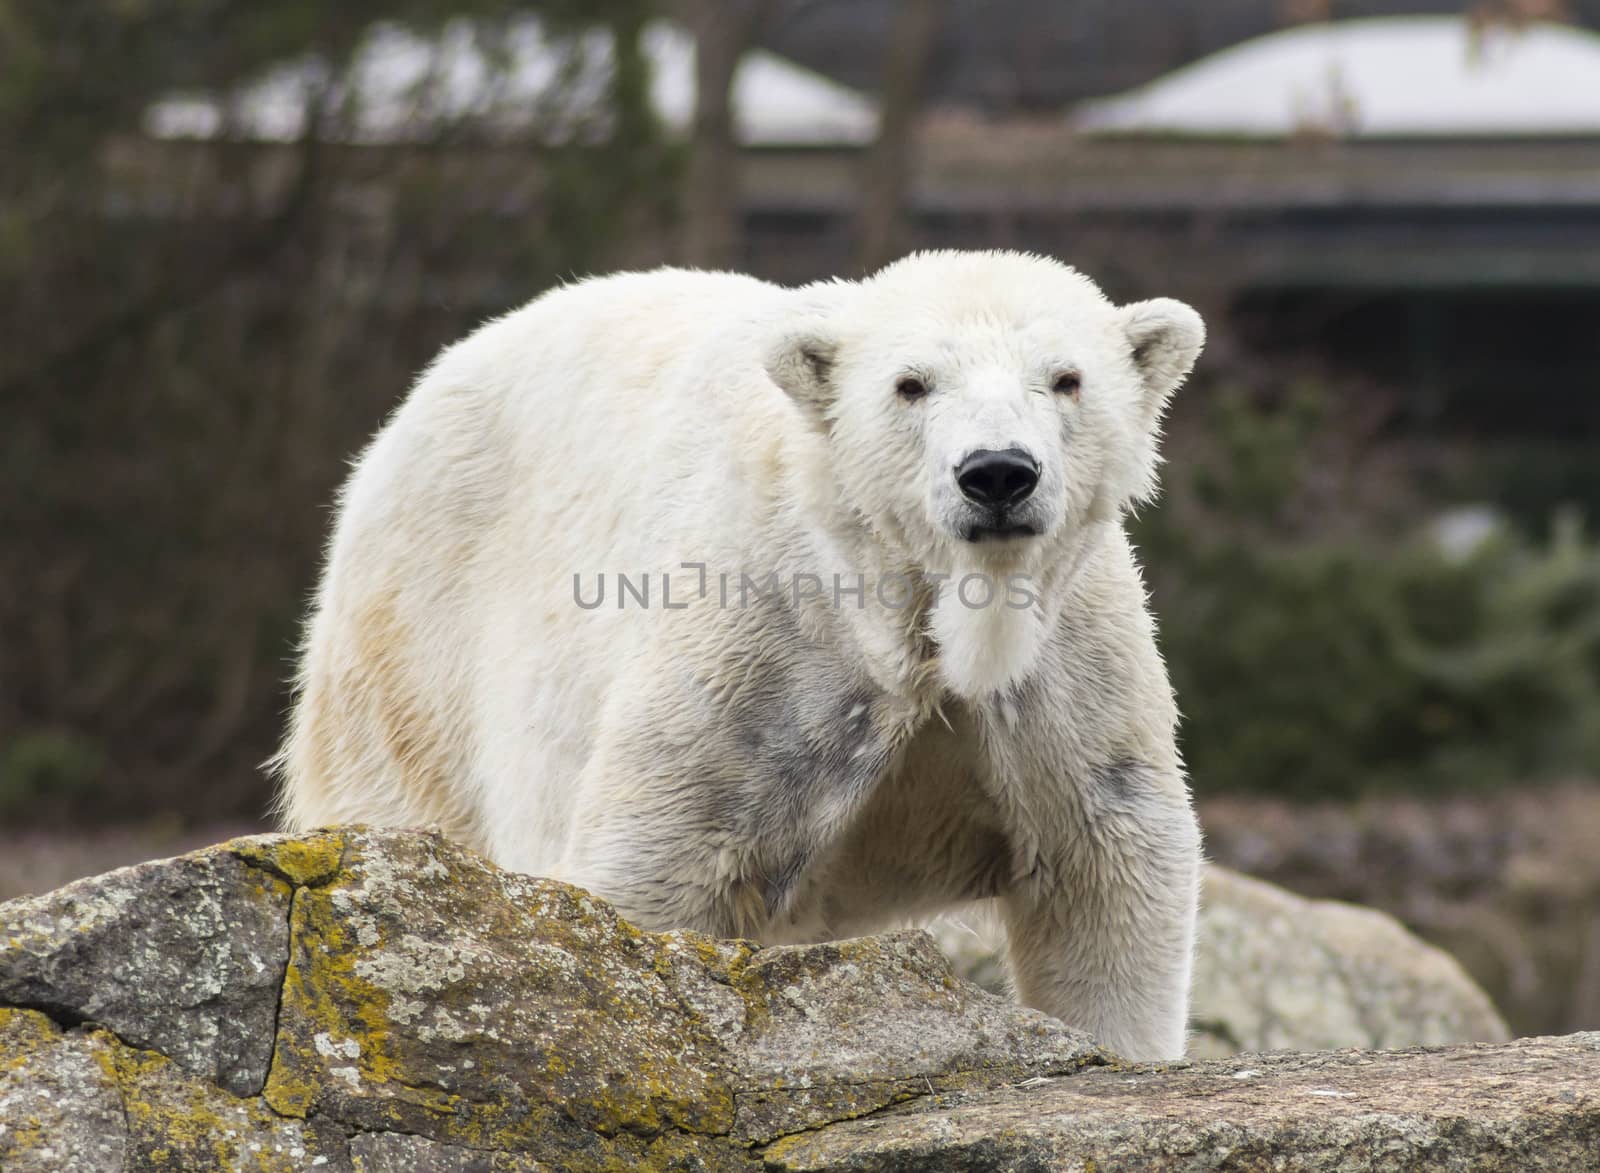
column 910, row 387
column 1067, row 383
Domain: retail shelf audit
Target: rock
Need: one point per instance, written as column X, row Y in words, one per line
column 432, row 1012
column 395, row 1152
column 429, row 992
column 83, row 1099
column 1276, row 972
column 184, row 956
column 1530, row 1105
column 1506, row 880
column 57, row 1106
column 416, row 989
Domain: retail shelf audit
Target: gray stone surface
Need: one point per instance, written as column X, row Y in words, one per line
column 183, row 956
column 430, row 992
column 1529, row 1105
column 839, row 1029
column 59, row 1109
column 83, row 1100
column 394, row 1152
column 437, row 1013
column 1277, row 972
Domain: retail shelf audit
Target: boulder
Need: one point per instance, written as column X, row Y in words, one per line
column 1274, row 971
column 431, row 1012
column 184, row 957
column 1528, row 1105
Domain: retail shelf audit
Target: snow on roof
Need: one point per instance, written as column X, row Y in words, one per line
column 1396, row 76
column 404, row 87
column 775, row 101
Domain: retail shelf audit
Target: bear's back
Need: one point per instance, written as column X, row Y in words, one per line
column 601, row 428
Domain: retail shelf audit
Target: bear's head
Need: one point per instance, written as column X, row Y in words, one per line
column 980, row 409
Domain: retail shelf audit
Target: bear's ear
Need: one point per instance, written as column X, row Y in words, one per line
column 1165, row 337
column 803, row 348
column 801, row 362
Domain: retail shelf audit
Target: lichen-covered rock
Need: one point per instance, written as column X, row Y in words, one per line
column 397, row 1152
column 185, row 956
column 1274, row 971
column 176, row 1121
column 838, row 1030
column 432, row 1012
column 430, row 992
column 83, row 1099
column 58, row 1108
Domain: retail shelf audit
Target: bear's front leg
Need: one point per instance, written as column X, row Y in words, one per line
column 1100, row 912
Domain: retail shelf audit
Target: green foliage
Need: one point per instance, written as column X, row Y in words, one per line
column 47, row 767
column 1311, row 666
column 1262, row 451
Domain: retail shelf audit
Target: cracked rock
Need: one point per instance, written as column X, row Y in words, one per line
column 369, row 1001
column 183, row 956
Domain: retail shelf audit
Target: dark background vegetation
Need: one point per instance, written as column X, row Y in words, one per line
column 195, row 337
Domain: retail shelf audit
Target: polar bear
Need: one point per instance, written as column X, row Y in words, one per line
column 784, row 613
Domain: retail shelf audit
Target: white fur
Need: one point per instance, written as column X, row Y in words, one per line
column 789, row 769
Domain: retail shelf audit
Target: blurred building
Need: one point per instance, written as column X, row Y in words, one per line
column 1395, row 77
column 1019, row 57
column 1413, row 200
column 404, row 87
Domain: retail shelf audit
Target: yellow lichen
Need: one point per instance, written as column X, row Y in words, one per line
column 309, row 859
column 339, row 1040
column 182, row 1123
column 22, row 1032
column 324, row 995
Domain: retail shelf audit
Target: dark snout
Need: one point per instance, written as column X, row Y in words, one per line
column 996, row 484
column 997, row 480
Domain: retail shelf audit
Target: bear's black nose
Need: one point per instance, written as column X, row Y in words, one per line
column 997, row 479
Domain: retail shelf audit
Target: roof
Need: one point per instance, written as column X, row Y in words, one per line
column 1388, row 77
column 402, row 86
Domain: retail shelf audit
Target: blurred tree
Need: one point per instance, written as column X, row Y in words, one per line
column 1314, row 658
column 1518, row 13
column 1306, row 11
column 887, row 173
column 194, row 336
column 712, row 228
